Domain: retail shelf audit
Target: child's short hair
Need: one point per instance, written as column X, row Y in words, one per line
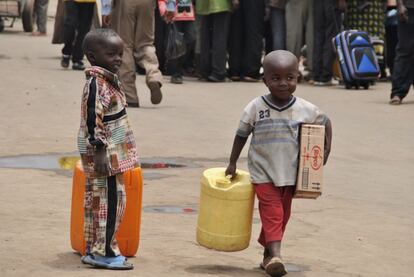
column 97, row 37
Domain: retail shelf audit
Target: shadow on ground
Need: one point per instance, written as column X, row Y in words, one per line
column 224, row 270
column 68, row 261
column 294, row 270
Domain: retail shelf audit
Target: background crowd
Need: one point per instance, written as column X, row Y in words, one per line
column 226, row 39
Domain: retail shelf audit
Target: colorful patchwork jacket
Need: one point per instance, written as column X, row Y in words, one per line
column 104, row 124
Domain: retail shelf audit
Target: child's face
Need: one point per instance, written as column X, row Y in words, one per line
column 109, row 55
column 281, row 79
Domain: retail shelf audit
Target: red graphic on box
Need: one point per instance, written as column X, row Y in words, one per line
column 317, row 158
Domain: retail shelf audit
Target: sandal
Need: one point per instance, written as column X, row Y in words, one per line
column 275, row 267
column 114, row 263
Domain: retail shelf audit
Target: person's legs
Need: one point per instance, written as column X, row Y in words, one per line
column 105, row 202
column 144, row 50
column 391, row 39
column 220, row 26
column 190, row 38
column 85, row 21
column 70, row 24
column 235, row 45
column 294, row 26
column 309, row 36
column 268, row 37
column 331, row 28
column 159, row 39
column 253, row 12
column 104, row 209
column 176, row 66
column 123, row 22
column 274, row 208
column 41, row 15
column 204, row 45
column 403, row 75
column 318, row 41
column 278, row 25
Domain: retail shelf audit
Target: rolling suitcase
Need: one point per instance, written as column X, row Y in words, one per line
column 357, row 59
column 129, row 229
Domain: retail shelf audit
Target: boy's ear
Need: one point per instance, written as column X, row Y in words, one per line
column 91, row 57
column 264, row 80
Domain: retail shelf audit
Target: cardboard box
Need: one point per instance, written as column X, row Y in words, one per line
column 311, row 153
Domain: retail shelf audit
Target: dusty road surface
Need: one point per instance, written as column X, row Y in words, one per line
column 361, row 226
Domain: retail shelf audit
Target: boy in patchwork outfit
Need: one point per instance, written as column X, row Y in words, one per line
column 107, row 149
column 274, row 121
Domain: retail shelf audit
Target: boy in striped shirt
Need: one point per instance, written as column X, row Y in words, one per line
column 274, row 121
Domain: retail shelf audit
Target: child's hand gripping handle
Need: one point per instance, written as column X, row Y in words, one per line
column 101, row 162
column 230, row 171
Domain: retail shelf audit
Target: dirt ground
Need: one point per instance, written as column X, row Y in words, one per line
column 361, row 226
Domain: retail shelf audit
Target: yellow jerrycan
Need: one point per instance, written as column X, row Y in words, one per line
column 225, row 211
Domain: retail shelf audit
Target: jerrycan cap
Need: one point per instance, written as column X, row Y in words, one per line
column 223, row 182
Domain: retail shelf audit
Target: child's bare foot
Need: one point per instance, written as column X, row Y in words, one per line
column 275, row 267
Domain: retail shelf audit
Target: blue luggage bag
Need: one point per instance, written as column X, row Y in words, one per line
column 357, row 59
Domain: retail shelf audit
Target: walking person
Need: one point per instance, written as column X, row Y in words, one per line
column 299, row 23
column 391, row 36
column 274, row 120
column 278, row 23
column 214, row 30
column 77, row 23
column 327, row 22
column 134, row 22
column 245, row 45
column 181, row 14
column 40, row 11
column 403, row 75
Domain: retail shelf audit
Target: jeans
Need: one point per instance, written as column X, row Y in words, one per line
column 78, row 21
column 40, row 8
column 403, row 75
column 278, row 26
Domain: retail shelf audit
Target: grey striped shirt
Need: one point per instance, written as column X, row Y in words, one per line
column 274, row 147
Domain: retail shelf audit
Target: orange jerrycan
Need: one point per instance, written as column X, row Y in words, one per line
column 225, row 211
column 129, row 229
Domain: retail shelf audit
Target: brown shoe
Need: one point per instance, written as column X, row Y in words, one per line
column 395, row 100
column 275, row 267
column 156, row 95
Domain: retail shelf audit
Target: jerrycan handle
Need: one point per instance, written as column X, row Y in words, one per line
column 224, row 182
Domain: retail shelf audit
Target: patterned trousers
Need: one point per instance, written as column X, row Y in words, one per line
column 104, row 208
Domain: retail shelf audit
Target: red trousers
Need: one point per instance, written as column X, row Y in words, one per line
column 274, row 208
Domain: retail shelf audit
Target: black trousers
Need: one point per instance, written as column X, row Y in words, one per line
column 176, row 66
column 77, row 23
column 403, row 75
column 246, row 39
column 160, row 32
column 213, row 44
column 327, row 22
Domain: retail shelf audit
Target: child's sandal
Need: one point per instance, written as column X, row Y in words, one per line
column 275, row 267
